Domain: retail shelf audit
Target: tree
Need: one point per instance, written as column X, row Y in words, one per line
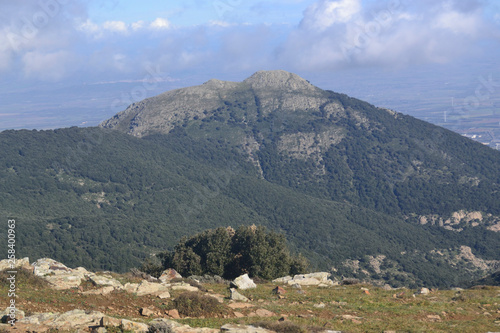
column 223, row 251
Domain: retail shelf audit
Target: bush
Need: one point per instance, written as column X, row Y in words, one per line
column 230, row 253
column 194, row 304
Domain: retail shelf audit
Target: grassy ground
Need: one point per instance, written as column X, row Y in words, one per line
column 345, row 308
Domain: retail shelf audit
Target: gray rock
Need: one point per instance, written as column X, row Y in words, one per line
column 58, row 275
column 312, row 279
column 6, row 264
column 236, row 296
column 104, row 280
column 235, row 328
column 150, row 288
column 169, row 274
column 243, row 282
column 6, row 315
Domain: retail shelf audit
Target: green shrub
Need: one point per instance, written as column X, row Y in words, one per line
column 223, row 251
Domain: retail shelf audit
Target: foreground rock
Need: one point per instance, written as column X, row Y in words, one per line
column 69, row 321
column 58, row 275
column 236, row 296
column 234, row 328
column 243, row 282
column 312, row 279
column 168, row 275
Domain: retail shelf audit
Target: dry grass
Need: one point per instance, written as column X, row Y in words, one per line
column 194, row 304
column 344, row 308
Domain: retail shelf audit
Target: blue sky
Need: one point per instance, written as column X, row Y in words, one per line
column 49, row 44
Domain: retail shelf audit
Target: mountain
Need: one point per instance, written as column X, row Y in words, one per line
column 364, row 191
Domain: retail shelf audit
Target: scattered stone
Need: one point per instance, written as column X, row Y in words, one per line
column 99, row 330
column 240, row 305
column 164, row 295
column 5, row 315
column 174, row 314
column 131, row 287
column 319, row 305
column 283, row 280
column 150, row 288
column 350, row 317
column 183, row 286
column 424, row 291
column 234, row 328
column 434, row 317
column 312, row 279
column 236, row 296
column 238, row 314
column 128, row 325
column 146, row 312
column 243, row 282
column 328, row 284
column 107, row 321
column 367, row 292
column 169, row 274
column 387, row 287
column 104, row 280
column 279, row 291
column 296, row 286
column 264, row 313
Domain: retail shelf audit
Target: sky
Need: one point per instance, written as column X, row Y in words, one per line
column 77, row 62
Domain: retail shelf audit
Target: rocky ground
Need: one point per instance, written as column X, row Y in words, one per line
column 51, row 297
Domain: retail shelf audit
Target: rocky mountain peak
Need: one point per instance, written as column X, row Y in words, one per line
column 278, row 79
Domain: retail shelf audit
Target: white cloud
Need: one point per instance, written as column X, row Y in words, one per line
column 222, row 24
column 344, row 33
column 115, row 26
column 325, row 13
column 160, row 23
column 137, row 25
column 51, row 66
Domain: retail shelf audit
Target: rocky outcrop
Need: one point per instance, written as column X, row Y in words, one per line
column 312, row 279
column 69, row 321
column 58, row 275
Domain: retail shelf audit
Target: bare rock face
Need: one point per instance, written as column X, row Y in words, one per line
column 58, row 275
column 272, row 89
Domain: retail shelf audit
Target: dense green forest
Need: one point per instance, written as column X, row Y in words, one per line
column 105, row 200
